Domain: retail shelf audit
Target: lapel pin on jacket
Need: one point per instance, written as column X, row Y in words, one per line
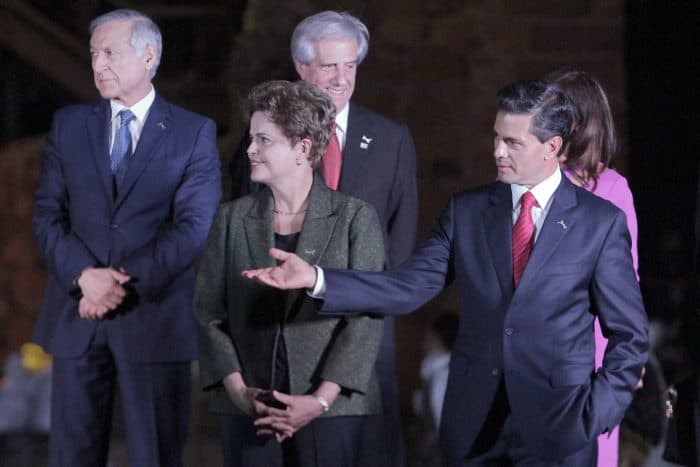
column 365, row 142
column 562, row 223
column 309, row 252
column 161, row 125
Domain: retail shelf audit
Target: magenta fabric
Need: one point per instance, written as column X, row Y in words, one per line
column 613, row 187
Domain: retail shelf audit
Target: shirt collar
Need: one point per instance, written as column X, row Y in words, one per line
column 542, row 192
column 140, row 109
column 341, row 118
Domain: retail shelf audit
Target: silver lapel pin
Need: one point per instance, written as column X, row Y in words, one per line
column 365, row 142
column 309, row 252
column 562, row 223
column 161, row 125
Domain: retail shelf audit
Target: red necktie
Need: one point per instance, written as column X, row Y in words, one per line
column 332, row 161
column 523, row 236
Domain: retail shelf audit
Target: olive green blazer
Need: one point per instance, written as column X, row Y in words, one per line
column 238, row 321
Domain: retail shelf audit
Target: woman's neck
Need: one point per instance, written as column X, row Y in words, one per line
column 292, row 197
column 290, row 202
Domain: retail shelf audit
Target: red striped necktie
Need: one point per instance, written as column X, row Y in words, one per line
column 523, row 236
column 332, row 161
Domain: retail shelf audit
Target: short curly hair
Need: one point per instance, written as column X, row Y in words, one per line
column 300, row 110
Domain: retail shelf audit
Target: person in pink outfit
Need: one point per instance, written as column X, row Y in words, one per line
column 586, row 163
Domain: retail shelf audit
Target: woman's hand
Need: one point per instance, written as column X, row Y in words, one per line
column 283, row 423
column 244, row 397
column 300, row 410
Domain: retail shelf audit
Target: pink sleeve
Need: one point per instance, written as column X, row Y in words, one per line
column 621, row 196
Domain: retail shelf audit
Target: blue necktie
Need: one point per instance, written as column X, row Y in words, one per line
column 121, row 149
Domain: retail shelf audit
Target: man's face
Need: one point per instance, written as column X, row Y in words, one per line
column 333, row 70
column 520, row 157
column 120, row 73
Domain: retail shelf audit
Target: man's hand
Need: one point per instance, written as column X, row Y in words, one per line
column 89, row 310
column 103, row 287
column 640, row 383
column 292, row 273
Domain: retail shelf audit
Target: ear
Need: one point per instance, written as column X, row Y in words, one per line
column 305, row 147
column 149, row 56
column 552, row 147
column 301, row 68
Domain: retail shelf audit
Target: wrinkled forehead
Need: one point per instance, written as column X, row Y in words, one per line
column 111, row 33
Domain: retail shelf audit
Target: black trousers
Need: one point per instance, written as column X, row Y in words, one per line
column 329, row 441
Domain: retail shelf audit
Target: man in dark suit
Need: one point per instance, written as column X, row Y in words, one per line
column 378, row 166
column 535, row 259
column 128, row 190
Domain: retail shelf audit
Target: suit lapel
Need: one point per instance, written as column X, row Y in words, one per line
column 98, row 130
column 316, row 232
column 259, row 229
column 357, row 151
column 498, row 227
column 558, row 222
column 156, row 127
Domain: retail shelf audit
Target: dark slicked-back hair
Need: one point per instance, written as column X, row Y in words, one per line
column 593, row 139
column 551, row 111
column 300, row 110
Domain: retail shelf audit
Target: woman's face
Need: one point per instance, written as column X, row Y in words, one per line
column 272, row 156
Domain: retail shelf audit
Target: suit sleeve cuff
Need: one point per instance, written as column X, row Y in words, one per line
column 319, row 290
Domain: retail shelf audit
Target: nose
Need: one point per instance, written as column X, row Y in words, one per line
column 499, row 148
column 252, row 148
column 98, row 61
column 339, row 75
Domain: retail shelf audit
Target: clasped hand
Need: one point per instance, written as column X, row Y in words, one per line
column 274, row 413
column 103, row 291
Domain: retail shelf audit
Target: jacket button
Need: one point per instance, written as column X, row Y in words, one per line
column 508, row 331
column 495, row 372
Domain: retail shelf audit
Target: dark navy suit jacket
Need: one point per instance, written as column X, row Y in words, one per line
column 155, row 228
column 539, row 337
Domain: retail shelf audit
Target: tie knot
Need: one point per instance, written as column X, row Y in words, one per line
column 527, row 201
column 126, row 116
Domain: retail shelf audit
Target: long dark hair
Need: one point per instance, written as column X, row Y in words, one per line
column 593, row 140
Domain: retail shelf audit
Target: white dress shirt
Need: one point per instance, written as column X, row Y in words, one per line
column 542, row 192
column 140, row 111
column 341, row 125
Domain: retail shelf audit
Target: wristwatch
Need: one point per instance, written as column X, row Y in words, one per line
column 324, row 403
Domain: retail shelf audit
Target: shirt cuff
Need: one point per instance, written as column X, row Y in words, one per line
column 319, row 290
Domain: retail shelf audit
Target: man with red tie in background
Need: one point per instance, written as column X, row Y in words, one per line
column 535, row 259
column 371, row 158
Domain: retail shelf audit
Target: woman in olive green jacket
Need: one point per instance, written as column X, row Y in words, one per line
column 292, row 387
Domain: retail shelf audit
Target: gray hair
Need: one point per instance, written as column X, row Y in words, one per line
column 325, row 25
column 144, row 32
